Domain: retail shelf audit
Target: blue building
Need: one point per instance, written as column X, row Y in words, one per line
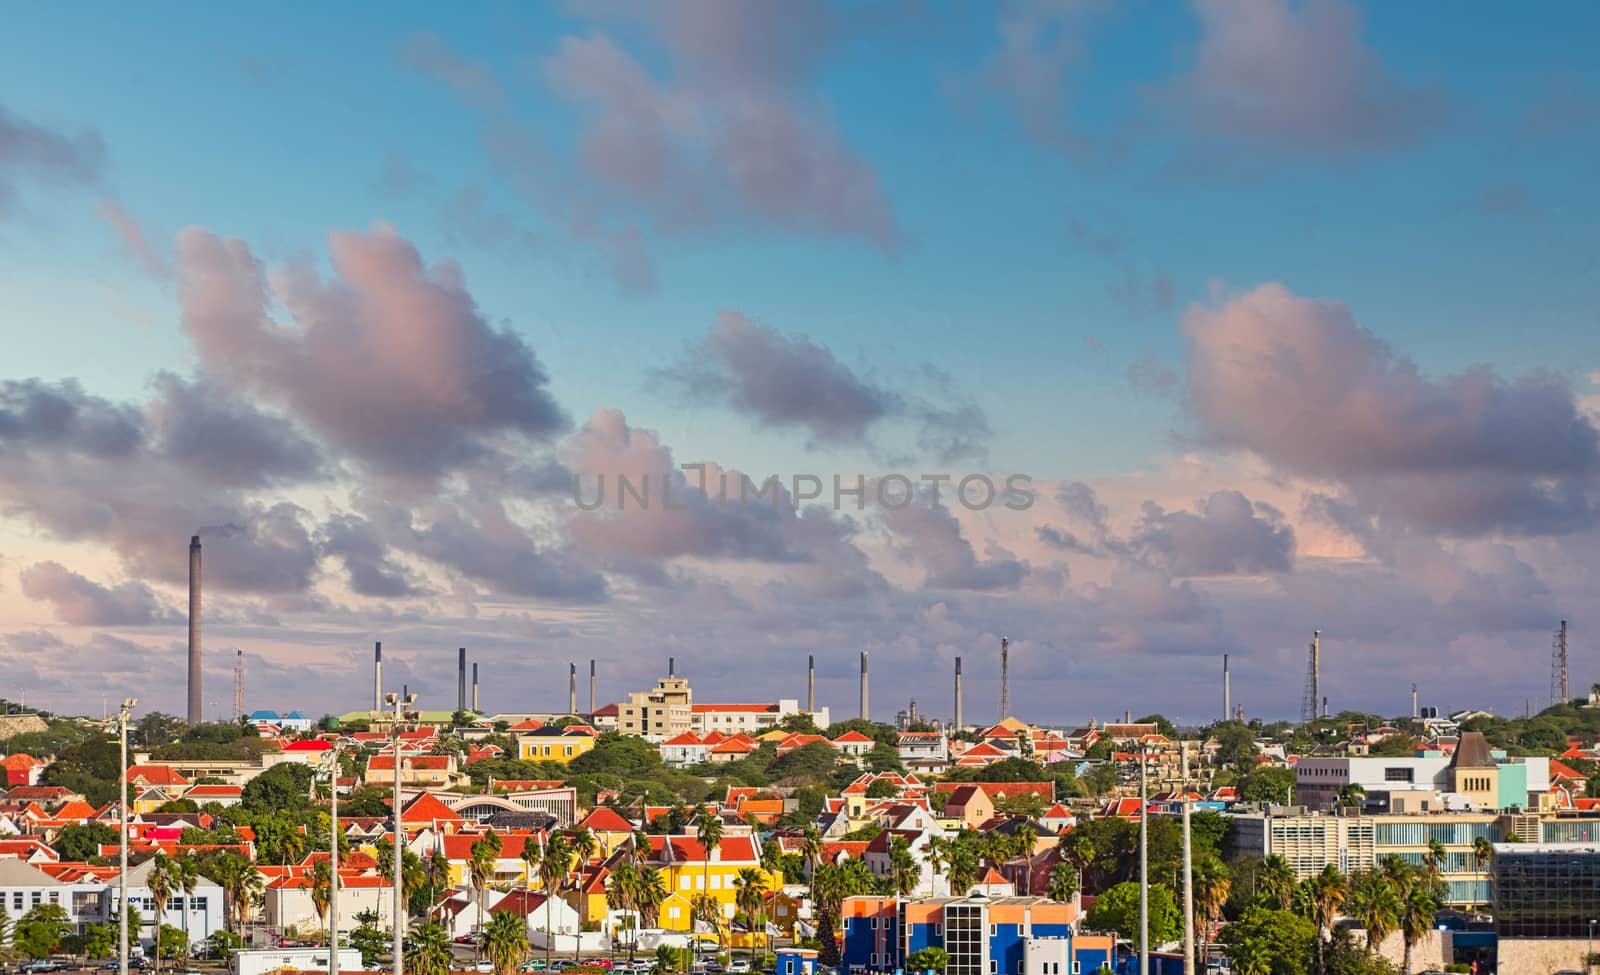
column 982, row 935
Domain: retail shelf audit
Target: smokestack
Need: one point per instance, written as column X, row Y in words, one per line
column 811, row 684
column 1413, row 702
column 572, row 689
column 958, row 693
column 461, row 679
column 591, row 687
column 865, row 710
column 1316, row 671
column 475, row 686
column 405, row 691
column 377, row 675
column 1005, row 678
column 1227, row 691
column 672, row 666
column 194, row 630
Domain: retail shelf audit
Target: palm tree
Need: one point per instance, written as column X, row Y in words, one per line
column 1325, row 895
column 553, row 868
column 1417, row 909
column 1375, row 903
column 813, row 847
column 1434, row 859
column 620, row 896
column 827, row 893
column 1063, row 882
column 505, row 941
column 1482, row 853
column 652, row 893
column 937, row 853
column 188, row 876
column 750, row 895
column 1276, row 883
column 429, row 951
column 438, row 873
column 1026, row 839
column 321, row 890
column 481, row 858
column 708, row 831
column 161, row 882
column 584, row 846
column 1212, row 883
column 902, row 866
column 963, row 867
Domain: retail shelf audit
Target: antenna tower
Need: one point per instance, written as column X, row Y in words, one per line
column 1559, row 692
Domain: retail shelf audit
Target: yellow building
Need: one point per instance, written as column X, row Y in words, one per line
column 688, row 874
column 549, row 744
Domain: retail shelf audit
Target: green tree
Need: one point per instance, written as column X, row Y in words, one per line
column 505, row 941
column 928, row 960
column 222, row 944
column 1163, row 726
column 708, row 831
column 903, row 867
column 100, row 941
column 428, row 952
column 1269, row 942
column 281, row 788
column 882, row 789
column 750, row 892
column 1324, row 896
column 172, row 944
column 1063, row 882
column 554, row 866
column 80, row 842
column 1118, row 910
column 367, row 938
column 167, row 876
column 1276, row 883
column 1375, row 904
column 1212, row 882
column 481, row 859
column 38, row 934
column 1268, row 783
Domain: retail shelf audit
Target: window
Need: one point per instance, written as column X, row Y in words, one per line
column 993, row 967
column 1397, row 775
column 673, row 913
column 993, row 930
column 938, row 930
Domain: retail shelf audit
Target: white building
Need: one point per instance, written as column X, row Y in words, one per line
column 923, row 751
column 24, row 887
column 287, row 902
column 198, row 914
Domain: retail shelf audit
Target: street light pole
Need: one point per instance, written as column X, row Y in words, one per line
column 400, row 704
column 1188, row 865
column 1144, row 861
column 333, row 860
column 128, row 705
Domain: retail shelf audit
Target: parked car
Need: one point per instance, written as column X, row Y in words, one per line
column 467, row 939
column 739, row 966
column 41, row 966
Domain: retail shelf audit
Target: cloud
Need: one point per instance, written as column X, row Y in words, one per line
column 352, row 540
column 427, row 55
column 1225, row 535
column 1041, row 42
column 791, row 382
column 391, row 361
column 31, row 153
column 1299, row 383
column 931, row 537
column 1279, row 77
column 80, row 601
column 61, row 416
column 199, row 425
column 725, row 136
column 134, row 242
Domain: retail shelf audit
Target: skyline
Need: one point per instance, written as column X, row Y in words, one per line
column 1287, row 311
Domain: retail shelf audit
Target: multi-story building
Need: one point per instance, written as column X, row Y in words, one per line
column 24, row 886
column 1546, row 900
column 690, row 871
column 665, row 712
column 751, row 719
column 1474, row 776
column 421, row 771
column 1312, row 841
column 924, row 751
column 982, row 935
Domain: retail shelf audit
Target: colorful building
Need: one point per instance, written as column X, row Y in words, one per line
column 549, row 744
column 982, row 935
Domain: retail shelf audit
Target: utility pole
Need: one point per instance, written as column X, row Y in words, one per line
column 1188, row 864
column 333, row 857
column 128, row 704
column 1144, row 862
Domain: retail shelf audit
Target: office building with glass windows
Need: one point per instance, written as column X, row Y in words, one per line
column 1546, row 905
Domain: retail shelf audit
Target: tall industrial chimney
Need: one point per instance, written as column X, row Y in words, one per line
column 865, row 710
column 474, row 687
column 672, row 666
column 811, row 684
column 377, row 675
column 1005, row 678
column 195, row 715
column 572, row 689
column 1413, row 701
column 1227, row 691
column 591, row 687
column 461, row 679
column 958, row 694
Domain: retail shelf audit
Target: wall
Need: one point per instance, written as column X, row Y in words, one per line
column 1531, row 955
column 17, row 724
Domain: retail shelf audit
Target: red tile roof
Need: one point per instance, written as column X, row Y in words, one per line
column 853, row 736
column 604, row 819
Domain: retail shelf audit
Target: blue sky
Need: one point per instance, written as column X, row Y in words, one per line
column 1034, row 253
